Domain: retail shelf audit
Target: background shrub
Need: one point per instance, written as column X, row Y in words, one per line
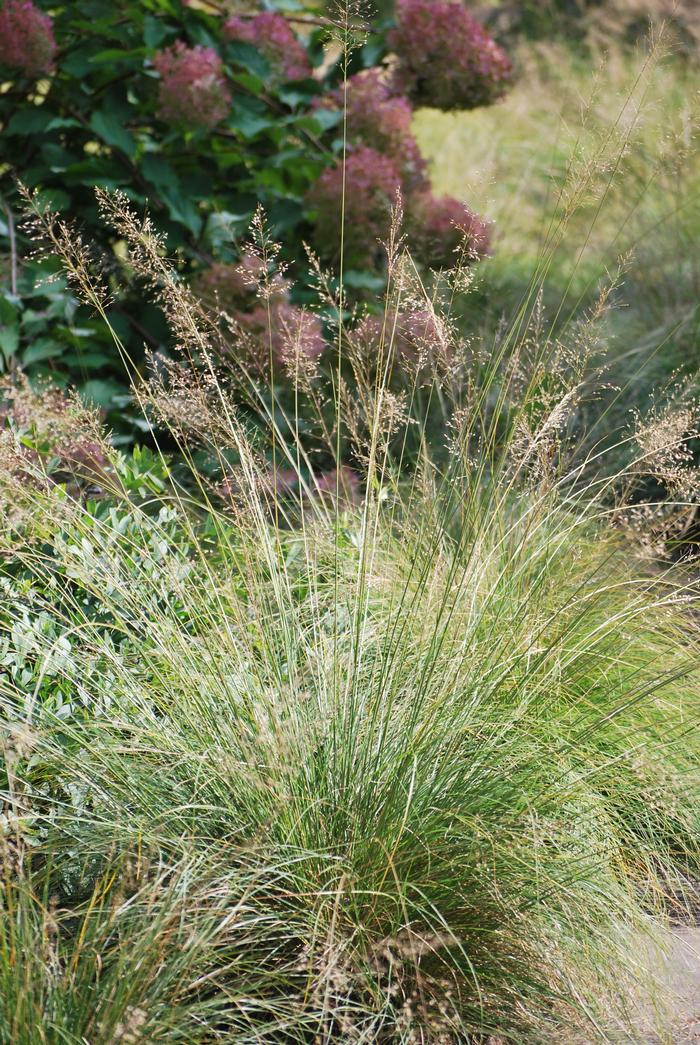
column 199, row 118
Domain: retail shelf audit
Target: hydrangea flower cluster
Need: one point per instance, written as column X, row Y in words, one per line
column 442, row 227
column 446, row 59
column 281, row 482
column 292, row 334
column 222, row 286
column 381, row 119
column 416, row 336
column 193, row 89
column 371, row 185
column 383, row 156
column 26, row 38
column 343, row 481
column 274, row 38
column 234, row 286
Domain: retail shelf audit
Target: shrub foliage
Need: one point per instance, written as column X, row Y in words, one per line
column 199, row 117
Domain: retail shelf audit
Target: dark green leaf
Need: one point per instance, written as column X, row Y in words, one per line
column 31, row 120
column 159, row 171
column 41, row 349
column 9, row 341
column 182, row 211
column 154, row 31
column 111, row 131
column 100, row 392
column 249, row 58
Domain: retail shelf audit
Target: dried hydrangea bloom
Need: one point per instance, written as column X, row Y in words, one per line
column 66, row 435
column 193, row 89
column 301, row 340
column 422, row 336
column 443, row 230
column 446, row 59
column 280, row 481
column 83, row 456
column 26, row 38
column 372, row 182
column 382, row 120
column 234, row 286
column 273, row 37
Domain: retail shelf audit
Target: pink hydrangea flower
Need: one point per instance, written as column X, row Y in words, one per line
column 342, row 480
column 279, row 484
column 26, row 38
column 382, row 120
column 371, row 185
column 415, row 336
column 421, row 336
column 273, row 37
column 83, row 456
column 232, row 286
column 440, row 228
column 294, row 335
column 223, row 285
column 446, row 59
column 281, row 480
column 192, row 86
column 300, row 336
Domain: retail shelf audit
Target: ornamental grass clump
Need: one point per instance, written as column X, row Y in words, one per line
column 397, row 746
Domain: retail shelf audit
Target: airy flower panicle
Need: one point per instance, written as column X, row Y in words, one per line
column 26, row 38
column 272, row 35
column 446, row 59
column 192, row 88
